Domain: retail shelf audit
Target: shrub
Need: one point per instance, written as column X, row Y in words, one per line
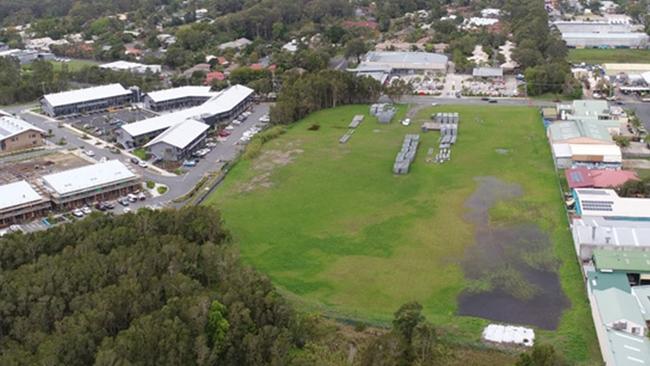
column 150, row 184
column 161, row 189
column 314, row 127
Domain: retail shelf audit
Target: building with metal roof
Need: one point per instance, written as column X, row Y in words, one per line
column 620, row 318
column 632, row 260
column 17, row 134
column 133, row 67
column 19, row 202
column 178, row 142
column 597, row 232
column 381, row 64
column 487, row 72
column 223, row 106
column 236, row 44
column 582, row 132
column 84, row 100
column 607, row 203
column 609, row 40
column 180, row 97
column 87, row 184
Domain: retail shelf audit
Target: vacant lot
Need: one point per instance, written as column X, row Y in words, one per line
column 601, row 56
column 339, row 233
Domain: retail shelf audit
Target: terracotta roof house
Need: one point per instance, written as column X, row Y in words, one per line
column 598, row 178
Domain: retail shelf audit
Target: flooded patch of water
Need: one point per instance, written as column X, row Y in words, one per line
column 511, row 268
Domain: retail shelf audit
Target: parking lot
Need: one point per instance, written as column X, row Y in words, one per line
column 449, row 85
column 103, row 123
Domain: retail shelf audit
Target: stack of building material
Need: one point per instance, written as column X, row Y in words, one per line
column 383, row 111
column 356, row 121
column 407, row 154
column 346, row 137
column 448, row 134
column 508, row 334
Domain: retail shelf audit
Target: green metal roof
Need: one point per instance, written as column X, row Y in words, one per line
column 584, row 108
column 594, row 129
column 622, row 260
column 614, row 298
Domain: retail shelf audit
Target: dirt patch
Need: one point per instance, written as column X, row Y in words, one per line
column 511, row 269
column 32, row 168
column 265, row 164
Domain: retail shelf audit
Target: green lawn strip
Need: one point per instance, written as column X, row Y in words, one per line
column 600, row 56
column 338, row 233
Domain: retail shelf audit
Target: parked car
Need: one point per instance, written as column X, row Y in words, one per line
column 142, row 196
column 230, row 127
column 126, row 209
column 265, row 118
column 406, row 122
column 123, row 201
column 89, row 153
column 131, row 197
column 493, row 101
column 135, row 161
column 143, row 164
column 86, row 210
column 224, row 133
column 189, row 163
column 78, row 213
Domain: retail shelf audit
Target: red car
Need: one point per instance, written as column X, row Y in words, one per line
column 224, row 133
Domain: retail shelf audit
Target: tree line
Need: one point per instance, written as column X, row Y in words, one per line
column 20, row 84
column 304, row 93
column 540, row 51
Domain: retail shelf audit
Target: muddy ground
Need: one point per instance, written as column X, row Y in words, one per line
column 511, row 269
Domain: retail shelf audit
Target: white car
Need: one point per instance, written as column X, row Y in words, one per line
column 406, row 122
column 230, row 127
column 434, row 104
column 126, row 209
column 89, row 153
column 142, row 164
column 86, row 210
column 78, row 213
column 265, row 118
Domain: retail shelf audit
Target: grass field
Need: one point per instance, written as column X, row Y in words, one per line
column 339, row 233
column 601, row 56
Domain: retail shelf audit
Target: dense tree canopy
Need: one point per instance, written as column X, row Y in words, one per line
column 153, row 288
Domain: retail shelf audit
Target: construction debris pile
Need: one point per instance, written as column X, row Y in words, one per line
column 448, row 134
column 383, row 111
column 356, row 121
column 406, row 156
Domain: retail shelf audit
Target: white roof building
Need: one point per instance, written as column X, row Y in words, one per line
column 86, row 95
column 291, row 46
column 180, row 92
column 133, row 67
column 221, row 103
column 11, row 126
column 17, row 194
column 181, row 135
column 238, row 43
column 607, row 203
column 87, row 178
column 509, row 334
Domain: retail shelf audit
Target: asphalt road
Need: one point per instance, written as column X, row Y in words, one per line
column 177, row 185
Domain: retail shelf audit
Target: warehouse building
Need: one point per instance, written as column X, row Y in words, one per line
column 179, row 141
column 591, row 233
column 88, row 184
column 380, row 65
column 223, row 107
column 19, row 202
column 85, row 100
column 16, row 134
column 606, row 40
column 175, row 98
column 621, row 312
column 487, row 72
column 586, row 143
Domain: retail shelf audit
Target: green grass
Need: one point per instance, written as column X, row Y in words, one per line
column 140, row 153
column 338, row 233
column 600, row 56
column 74, row 64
